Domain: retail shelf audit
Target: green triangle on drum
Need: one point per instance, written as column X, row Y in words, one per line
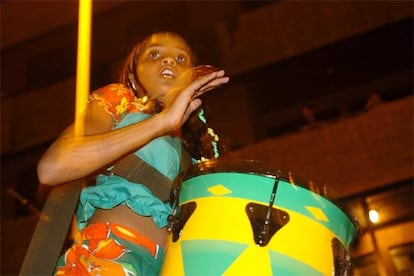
column 285, row 265
column 252, row 261
column 209, row 257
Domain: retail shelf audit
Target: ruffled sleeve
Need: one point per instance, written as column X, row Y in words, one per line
column 117, row 100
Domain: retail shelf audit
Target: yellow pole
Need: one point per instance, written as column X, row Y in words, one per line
column 83, row 64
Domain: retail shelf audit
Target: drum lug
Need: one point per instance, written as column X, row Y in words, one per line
column 266, row 220
column 176, row 223
column 342, row 263
column 264, row 229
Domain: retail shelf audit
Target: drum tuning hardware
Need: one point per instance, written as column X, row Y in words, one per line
column 266, row 220
column 264, row 231
column 177, row 220
column 342, row 263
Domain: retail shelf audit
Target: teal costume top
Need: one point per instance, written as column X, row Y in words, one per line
column 163, row 153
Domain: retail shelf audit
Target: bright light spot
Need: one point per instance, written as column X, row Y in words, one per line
column 373, row 216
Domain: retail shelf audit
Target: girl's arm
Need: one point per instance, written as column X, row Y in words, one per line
column 72, row 157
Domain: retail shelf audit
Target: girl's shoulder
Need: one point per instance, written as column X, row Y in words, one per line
column 114, row 92
column 117, row 100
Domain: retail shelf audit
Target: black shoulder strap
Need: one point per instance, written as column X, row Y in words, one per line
column 186, row 161
column 51, row 230
column 137, row 170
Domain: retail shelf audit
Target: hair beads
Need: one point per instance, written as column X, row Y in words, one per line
column 214, row 137
column 198, row 139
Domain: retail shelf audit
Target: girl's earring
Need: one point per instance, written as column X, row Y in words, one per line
column 132, row 84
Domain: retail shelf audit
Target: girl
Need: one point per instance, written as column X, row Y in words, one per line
column 144, row 117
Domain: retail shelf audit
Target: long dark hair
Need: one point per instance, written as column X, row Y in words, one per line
column 197, row 138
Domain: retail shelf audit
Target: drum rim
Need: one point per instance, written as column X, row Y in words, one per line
column 255, row 167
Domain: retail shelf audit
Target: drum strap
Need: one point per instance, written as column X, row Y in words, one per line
column 137, row 170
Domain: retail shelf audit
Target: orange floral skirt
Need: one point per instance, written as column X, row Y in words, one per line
column 111, row 249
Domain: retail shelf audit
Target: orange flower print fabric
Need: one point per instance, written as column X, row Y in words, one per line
column 109, row 249
column 117, row 100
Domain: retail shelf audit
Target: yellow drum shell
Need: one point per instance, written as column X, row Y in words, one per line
column 217, row 239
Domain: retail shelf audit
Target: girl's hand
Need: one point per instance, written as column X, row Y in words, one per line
column 183, row 101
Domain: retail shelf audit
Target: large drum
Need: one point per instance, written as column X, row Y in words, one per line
column 237, row 218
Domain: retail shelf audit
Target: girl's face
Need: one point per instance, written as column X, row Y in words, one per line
column 163, row 59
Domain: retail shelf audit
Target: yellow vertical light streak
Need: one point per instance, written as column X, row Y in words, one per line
column 83, row 64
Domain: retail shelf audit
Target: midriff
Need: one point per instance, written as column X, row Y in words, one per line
column 124, row 216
